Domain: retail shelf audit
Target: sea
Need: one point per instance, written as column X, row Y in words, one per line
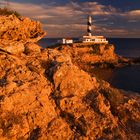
column 126, row 78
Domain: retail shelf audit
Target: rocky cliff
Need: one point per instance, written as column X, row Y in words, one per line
column 87, row 56
column 16, row 32
column 45, row 95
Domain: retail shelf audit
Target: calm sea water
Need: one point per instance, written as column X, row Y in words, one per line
column 127, row 78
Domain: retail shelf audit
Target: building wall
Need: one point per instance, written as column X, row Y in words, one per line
column 67, row 41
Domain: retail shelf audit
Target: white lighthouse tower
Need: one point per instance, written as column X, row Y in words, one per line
column 92, row 39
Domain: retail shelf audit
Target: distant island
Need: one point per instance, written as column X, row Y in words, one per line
column 52, row 93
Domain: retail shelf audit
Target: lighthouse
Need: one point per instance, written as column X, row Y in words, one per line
column 89, row 38
column 89, row 25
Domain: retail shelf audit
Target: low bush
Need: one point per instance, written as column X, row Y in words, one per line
column 6, row 11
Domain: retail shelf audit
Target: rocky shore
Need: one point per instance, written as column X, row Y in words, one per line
column 49, row 94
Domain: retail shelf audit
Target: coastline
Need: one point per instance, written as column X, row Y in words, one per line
column 49, row 93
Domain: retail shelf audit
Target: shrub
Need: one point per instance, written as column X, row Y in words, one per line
column 6, row 11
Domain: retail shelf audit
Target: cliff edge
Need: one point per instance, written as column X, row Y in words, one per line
column 45, row 95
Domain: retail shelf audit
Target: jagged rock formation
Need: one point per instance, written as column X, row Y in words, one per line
column 87, row 56
column 96, row 53
column 15, row 32
column 44, row 95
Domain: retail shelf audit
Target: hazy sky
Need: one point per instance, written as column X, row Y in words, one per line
column 67, row 18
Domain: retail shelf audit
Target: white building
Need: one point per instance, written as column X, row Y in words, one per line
column 67, row 41
column 92, row 39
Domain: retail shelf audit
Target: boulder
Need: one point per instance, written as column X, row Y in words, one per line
column 72, row 81
column 22, row 29
column 31, row 48
column 13, row 48
column 15, row 32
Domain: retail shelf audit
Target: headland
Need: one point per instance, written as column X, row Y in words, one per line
column 51, row 94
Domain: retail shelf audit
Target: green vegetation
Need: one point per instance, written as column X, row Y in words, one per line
column 6, row 11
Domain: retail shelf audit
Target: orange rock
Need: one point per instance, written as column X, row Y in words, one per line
column 44, row 94
column 32, row 48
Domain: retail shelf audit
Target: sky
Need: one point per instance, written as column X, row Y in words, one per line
column 68, row 18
